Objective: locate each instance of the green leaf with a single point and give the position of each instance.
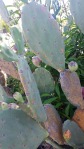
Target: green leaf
(58, 105)
(48, 101)
(57, 90)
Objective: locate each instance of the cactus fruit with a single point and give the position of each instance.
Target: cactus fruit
(53, 124)
(79, 118)
(75, 6)
(19, 42)
(17, 96)
(73, 66)
(3, 105)
(44, 80)
(36, 61)
(18, 131)
(71, 87)
(73, 135)
(4, 12)
(31, 90)
(43, 35)
(9, 68)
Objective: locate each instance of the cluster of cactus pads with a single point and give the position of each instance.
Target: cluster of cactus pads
(25, 125)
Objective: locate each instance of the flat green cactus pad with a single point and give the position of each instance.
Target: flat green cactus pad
(18, 38)
(77, 10)
(3, 12)
(31, 90)
(18, 131)
(73, 134)
(43, 35)
(44, 80)
(7, 54)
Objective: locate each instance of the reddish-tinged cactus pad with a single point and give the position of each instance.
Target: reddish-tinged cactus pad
(53, 124)
(71, 86)
(2, 79)
(9, 68)
(79, 118)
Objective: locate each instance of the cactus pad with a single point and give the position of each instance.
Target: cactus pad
(4, 12)
(53, 124)
(44, 80)
(79, 118)
(9, 68)
(73, 135)
(18, 131)
(7, 54)
(42, 33)
(31, 90)
(71, 86)
(77, 10)
(17, 36)
(4, 97)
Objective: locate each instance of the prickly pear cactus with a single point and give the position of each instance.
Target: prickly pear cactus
(17, 36)
(71, 86)
(18, 97)
(44, 80)
(18, 131)
(4, 97)
(4, 12)
(36, 61)
(79, 118)
(31, 90)
(77, 10)
(73, 135)
(43, 35)
(53, 124)
(9, 68)
(73, 66)
(7, 54)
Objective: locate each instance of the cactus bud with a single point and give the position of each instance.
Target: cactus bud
(36, 61)
(4, 105)
(73, 66)
(17, 96)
